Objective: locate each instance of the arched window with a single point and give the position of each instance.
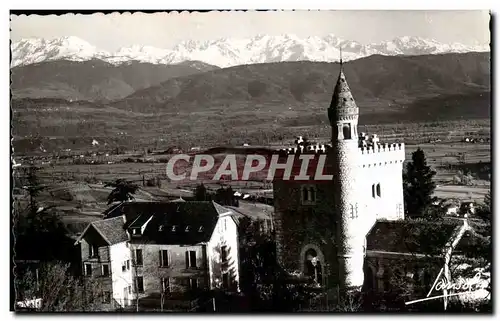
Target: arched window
(378, 189)
(369, 279)
(346, 130)
(312, 266)
(373, 190)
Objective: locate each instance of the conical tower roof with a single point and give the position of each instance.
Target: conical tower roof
(342, 103)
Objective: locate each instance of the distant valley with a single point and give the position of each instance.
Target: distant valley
(67, 103)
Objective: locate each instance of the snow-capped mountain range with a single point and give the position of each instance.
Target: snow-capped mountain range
(226, 52)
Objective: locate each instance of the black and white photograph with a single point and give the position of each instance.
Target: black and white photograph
(333, 161)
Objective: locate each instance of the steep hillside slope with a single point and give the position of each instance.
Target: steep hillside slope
(377, 82)
(94, 80)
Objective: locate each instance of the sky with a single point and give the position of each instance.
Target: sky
(165, 30)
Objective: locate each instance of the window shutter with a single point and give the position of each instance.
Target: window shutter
(187, 259)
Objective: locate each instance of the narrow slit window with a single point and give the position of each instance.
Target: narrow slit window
(313, 194)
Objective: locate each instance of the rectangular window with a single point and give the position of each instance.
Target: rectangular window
(165, 285)
(106, 297)
(128, 264)
(93, 250)
(378, 190)
(139, 281)
(123, 267)
(138, 257)
(373, 190)
(163, 258)
(225, 280)
(305, 194)
(88, 270)
(129, 289)
(190, 259)
(225, 224)
(193, 284)
(223, 253)
(105, 270)
(308, 195)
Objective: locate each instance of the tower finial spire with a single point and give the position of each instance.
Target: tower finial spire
(340, 56)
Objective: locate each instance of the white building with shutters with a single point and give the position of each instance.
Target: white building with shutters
(168, 251)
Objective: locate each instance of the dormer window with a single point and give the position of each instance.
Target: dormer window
(200, 229)
(160, 228)
(174, 228)
(187, 228)
(135, 231)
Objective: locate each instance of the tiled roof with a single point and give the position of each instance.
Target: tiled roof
(111, 230)
(255, 211)
(183, 223)
(109, 211)
(167, 222)
(411, 236)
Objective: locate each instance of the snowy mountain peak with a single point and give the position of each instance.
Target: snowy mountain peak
(225, 52)
(35, 50)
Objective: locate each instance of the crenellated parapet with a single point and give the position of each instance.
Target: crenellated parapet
(382, 148)
(382, 154)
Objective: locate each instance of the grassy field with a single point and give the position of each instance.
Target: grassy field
(78, 193)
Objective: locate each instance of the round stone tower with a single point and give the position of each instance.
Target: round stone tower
(344, 159)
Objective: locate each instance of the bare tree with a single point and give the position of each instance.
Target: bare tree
(51, 288)
(349, 303)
